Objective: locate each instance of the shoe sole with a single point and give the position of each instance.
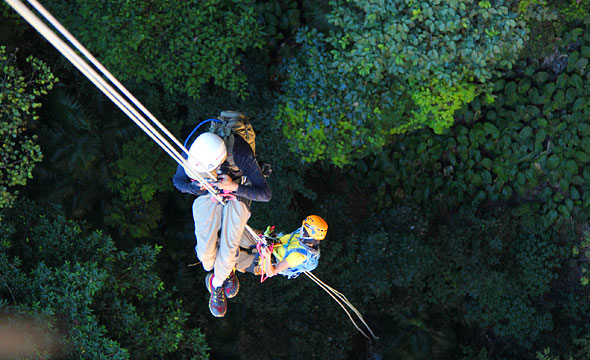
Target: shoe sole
(207, 281)
(217, 316)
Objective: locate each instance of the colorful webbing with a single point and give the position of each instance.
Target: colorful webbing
(226, 195)
(259, 245)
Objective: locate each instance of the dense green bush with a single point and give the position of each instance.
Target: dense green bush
(278, 18)
(500, 274)
(576, 11)
(107, 303)
(531, 142)
(138, 176)
(21, 87)
(327, 114)
(179, 45)
(389, 68)
(81, 134)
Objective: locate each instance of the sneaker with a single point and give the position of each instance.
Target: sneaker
(231, 285)
(217, 301)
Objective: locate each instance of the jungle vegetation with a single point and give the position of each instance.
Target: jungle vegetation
(447, 144)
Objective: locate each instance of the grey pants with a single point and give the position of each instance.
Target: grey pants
(218, 252)
(247, 261)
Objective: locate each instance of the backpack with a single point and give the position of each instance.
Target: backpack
(312, 257)
(233, 122)
(225, 126)
(228, 124)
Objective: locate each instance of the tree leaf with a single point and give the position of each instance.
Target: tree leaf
(541, 77)
(553, 162)
(581, 64)
(491, 129)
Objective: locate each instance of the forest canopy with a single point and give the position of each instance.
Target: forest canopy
(446, 143)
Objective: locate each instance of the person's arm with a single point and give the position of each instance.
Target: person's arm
(245, 160)
(271, 270)
(283, 265)
(293, 260)
(185, 184)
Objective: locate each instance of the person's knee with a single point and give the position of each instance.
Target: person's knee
(207, 259)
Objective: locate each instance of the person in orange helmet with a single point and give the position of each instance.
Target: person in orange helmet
(292, 254)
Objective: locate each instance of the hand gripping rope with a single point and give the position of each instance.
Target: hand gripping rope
(124, 100)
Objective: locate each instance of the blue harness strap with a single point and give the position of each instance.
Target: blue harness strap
(195, 129)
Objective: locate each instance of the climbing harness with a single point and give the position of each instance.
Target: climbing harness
(311, 255)
(259, 246)
(124, 100)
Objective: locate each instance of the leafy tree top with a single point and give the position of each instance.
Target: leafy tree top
(180, 44)
(452, 41)
(107, 303)
(388, 68)
(20, 87)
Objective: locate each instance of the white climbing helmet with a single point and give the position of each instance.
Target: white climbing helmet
(207, 152)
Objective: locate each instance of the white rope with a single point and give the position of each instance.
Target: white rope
(343, 298)
(338, 297)
(47, 15)
(343, 308)
(79, 63)
(108, 90)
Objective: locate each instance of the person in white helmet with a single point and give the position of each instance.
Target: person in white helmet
(219, 228)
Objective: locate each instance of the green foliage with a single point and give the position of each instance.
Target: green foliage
(107, 303)
(437, 102)
(327, 114)
(20, 89)
(417, 41)
(390, 67)
(541, 19)
(80, 135)
(492, 274)
(582, 252)
(531, 142)
(577, 11)
(278, 18)
(546, 355)
(138, 177)
(180, 45)
(536, 10)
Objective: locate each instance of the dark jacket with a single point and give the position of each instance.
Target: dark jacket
(255, 190)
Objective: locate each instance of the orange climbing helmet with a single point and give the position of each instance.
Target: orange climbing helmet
(315, 226)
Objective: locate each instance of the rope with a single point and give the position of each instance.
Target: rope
(107, 89)
(47, 15)
(135, 116)
(342, 300)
